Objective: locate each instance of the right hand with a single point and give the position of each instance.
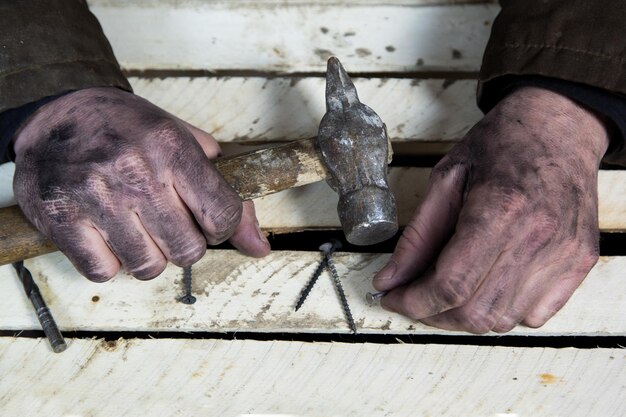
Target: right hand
(115, 181)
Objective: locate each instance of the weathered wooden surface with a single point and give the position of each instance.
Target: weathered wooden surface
(237, 293)
(250, 378)
(281, 37)
(258, 109)
(314, 206)
(19, 239)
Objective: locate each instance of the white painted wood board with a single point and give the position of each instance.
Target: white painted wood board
(258, 109)
(252, 378)
(194, 35)
(314, 206)
(237, 294)
(238, 3)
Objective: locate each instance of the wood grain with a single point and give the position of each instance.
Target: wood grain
(258, 109)
(310, 207)
(191, 35)
(236, 293)
(251, 378)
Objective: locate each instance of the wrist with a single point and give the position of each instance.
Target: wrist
(578, 127)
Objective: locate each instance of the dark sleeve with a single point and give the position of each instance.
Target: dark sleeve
(47, 48)
(574, 47)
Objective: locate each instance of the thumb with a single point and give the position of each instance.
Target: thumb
(248, 237)
(429, 229)
(208, 143)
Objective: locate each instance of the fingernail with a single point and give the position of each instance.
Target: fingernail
(387, 272)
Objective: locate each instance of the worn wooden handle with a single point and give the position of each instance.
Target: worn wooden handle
(253, 174)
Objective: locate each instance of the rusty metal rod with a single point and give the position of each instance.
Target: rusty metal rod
(48, 324)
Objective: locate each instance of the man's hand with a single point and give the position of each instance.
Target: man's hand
(115, 181)
(508, 227)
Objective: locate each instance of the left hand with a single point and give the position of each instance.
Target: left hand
(508, 227)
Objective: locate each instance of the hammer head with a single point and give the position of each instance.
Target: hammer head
(353, 142)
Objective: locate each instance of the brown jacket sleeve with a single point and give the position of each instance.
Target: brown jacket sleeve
(581, 41)
(48, 47)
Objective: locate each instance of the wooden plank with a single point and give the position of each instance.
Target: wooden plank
(314, 206)
(6, 184)
(195, 35)
(236, 293)
(258, 109)
(239, 3)
(251, 378)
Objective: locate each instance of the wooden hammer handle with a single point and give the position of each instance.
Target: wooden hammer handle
(253, 174)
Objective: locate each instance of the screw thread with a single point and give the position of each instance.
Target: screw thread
(342, 294)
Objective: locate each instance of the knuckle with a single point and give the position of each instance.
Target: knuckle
(511, 200)
(536, 320)
(539, 316)
(410, 308)
(190, 253)
(134, 170)
(478, 320)
(587, 260)
(505, 325)
(225, 219)
(453, 291)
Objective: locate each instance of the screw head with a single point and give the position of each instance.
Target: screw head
(330, 247)
(187, 299)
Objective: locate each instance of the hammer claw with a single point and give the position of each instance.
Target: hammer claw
(340, 90)
(353, 142)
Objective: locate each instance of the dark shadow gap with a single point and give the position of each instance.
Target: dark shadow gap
(578, 342)
(611, 244)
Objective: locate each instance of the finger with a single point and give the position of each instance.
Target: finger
(490, 301)
(462, 265)
(431, 225)
(208, 143)
(248, 237)
(171, 226)
(85, 247)
(215, 204)
(132, 245)
(560, 291)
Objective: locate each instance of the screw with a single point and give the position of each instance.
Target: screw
(328, 249)
(372, 297)
(44, 316)
(309, 286)
(187, 298)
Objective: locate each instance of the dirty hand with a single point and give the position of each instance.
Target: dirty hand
(115, 181)
(508, 227)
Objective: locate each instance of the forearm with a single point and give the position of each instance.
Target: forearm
(49, 47)
(573, 47)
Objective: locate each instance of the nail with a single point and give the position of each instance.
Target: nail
(372, 297)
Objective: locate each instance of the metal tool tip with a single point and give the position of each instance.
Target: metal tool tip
(60, 347)
(339, 86)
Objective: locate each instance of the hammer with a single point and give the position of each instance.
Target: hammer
(351, 153)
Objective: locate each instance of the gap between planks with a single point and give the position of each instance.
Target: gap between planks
(250, 378)
(237, 293)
